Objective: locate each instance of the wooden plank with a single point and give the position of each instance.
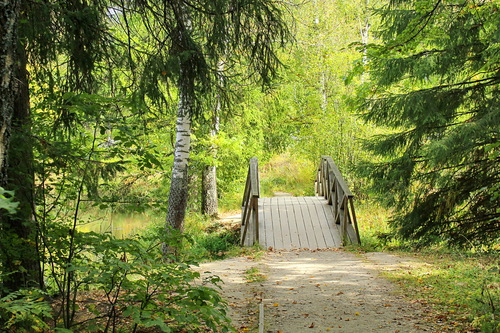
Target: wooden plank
(292, 223)
(297, 222)
(301, 228)
(276, 222)
(262, 226)
(308, 224)
(284, 203)
(268, 238)
(294, 229)
(322, 223)
(334, 228)
(330, 232)
(316, 222)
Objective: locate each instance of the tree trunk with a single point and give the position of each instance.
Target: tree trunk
(19, 254)
(9, 14)
(177, 200)
(209, 199)
(209, 191)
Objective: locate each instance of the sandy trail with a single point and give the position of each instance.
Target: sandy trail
(318, 291)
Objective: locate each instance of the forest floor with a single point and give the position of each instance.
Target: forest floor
(319, 291)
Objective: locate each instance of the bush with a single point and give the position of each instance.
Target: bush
(129, 284)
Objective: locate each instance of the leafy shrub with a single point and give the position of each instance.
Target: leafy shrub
(24, 311)
(130, 284)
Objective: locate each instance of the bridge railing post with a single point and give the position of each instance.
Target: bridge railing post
(250, 205)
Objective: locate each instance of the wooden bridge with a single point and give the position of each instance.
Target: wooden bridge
(327, 220)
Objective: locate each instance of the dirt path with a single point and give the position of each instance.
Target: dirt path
(317, 291)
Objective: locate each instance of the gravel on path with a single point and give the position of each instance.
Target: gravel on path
(318, 291)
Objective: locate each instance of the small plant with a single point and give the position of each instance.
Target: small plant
(130, 285)
(254, 274)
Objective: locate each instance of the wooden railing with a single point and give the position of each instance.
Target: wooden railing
(250, 205)
(330, 184)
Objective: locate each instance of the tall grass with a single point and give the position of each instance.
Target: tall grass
(374, 229)
(289, 174)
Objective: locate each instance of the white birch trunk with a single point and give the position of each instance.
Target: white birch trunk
(178, 196)
(177, 201)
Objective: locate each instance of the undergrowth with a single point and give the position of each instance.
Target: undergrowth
(211, 239)
(461, 289)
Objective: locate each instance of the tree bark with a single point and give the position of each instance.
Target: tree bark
(177, 200)
(209, 199)
(21, 180)
(179, 184)
(9, 15)
(19, 254)
(209, 191)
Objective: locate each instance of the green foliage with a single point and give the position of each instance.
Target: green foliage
(434, 82)
(7, 201)
(308, 113)
(374, 229)
(25, 310)
(131, 280)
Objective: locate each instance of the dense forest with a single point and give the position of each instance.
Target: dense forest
(152, 109)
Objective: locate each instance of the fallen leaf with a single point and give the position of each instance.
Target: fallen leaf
(276, 304)
(312, 325)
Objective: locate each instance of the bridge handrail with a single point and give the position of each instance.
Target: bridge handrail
(331, 185)
(250, 203)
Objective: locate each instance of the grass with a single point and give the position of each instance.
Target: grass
(374, 230)
(254, 274)
(213, 239)
(461, 289)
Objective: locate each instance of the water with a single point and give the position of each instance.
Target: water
(120, 225)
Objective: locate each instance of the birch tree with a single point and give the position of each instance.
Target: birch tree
(190, 38)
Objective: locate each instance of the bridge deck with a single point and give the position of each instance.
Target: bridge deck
(297, 223)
